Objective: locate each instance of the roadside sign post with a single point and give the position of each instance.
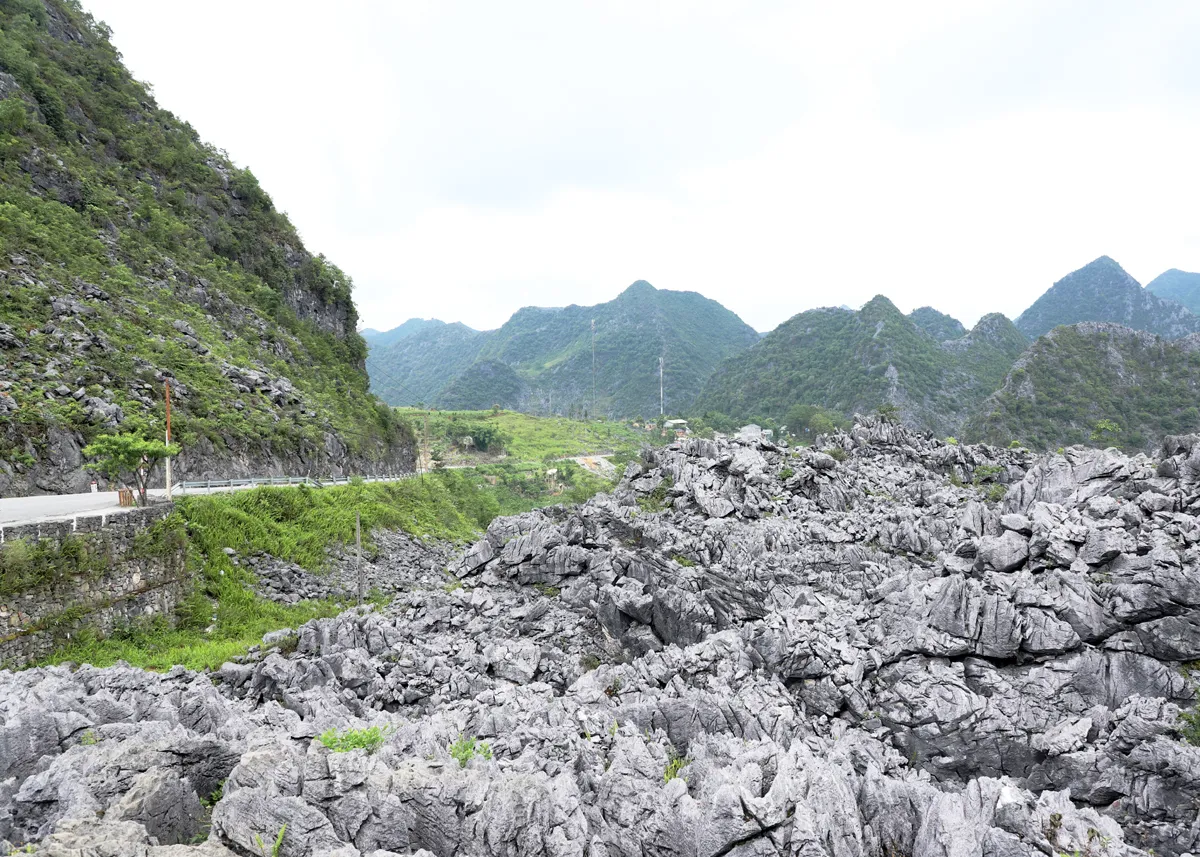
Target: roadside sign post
(167, 391)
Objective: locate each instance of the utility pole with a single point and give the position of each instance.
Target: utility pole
(660, 386)
(358, 547)
(167, 392)
(593, 368)
(425, 455)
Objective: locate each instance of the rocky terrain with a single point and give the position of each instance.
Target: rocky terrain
(882, 645)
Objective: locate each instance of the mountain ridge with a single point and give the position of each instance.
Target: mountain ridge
(1183, 287)
(1103, 291)
(548, 355)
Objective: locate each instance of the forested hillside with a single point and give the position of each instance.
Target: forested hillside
(849, 362)
(1074, 377)
(132, 251)
(542, 358)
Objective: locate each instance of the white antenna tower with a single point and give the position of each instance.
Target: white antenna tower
(660, 387)
(593, 368)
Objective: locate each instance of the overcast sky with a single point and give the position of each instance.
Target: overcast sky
(461, 160)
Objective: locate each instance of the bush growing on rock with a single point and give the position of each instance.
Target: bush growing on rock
(465, 749)
(369, 739)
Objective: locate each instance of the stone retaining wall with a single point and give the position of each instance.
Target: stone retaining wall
(98, 572)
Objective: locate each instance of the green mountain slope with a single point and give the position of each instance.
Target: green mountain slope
(1183, 287)
(1075, 376)
(937, 324)
(850, 361)
(382, 338)
(132, 251)
(484, 384)
(549, 355)
(1102, 291)
(417, 368)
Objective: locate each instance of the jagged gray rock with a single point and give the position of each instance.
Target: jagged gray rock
(871, 657)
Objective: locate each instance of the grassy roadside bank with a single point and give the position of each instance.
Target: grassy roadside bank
(223, 617)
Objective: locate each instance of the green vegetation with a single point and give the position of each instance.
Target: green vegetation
(223, 617)
(1106, 386)
(275, 847)
(136, 252)
(1105, 432)
(369, 739)
(936, 324)
(675, 764)
(656, 500)
(465, 749)
(845, 362)
(128, 458)
(541, 357)
(525, 438)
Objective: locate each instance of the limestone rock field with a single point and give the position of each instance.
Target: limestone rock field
(881, 645)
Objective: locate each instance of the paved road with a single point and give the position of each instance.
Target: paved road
(29, 510)
(58, 507)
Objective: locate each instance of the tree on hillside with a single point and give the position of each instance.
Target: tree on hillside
(1106, 432)
(128, 458)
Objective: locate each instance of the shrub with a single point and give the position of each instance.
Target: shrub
(655, 501)
(952, 441)
(836, 453)
(465, 749)
(12, 115)
(786, 474)
(369, 739)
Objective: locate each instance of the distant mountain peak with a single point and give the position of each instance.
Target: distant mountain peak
(880, 303)
(546, 352)
(638, 287)
(940, 326)
(1103, 291)
(1177, 285)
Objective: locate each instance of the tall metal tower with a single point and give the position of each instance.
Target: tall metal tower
(660, 386)
(593, 368)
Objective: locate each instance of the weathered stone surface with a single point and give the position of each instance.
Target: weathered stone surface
(863, 659)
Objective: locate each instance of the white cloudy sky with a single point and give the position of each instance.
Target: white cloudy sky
(461, 160)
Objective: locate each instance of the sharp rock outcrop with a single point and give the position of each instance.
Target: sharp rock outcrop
(881, 645)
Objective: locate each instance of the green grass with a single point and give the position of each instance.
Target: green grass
(299, 525)
(530, 438)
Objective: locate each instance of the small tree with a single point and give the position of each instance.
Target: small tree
(1106, 432)
(128, 457)
(888, 412)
